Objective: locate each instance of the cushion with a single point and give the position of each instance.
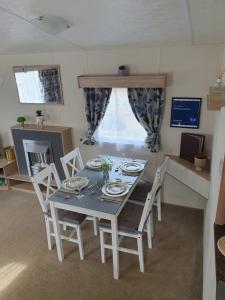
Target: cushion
(141, 190)
(128, 219)
(69, 216)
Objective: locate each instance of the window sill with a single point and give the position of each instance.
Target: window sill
(120, 145)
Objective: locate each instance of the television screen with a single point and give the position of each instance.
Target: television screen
(185, 112)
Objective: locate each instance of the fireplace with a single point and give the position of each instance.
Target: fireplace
(37, 147)
(38, 155)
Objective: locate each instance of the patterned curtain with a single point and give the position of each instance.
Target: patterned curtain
(148, 105)
(97, 100)
(50, 85)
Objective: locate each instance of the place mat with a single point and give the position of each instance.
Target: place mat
(110, 199)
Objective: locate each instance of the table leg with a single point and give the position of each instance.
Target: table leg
(56, 228)
(115, 251)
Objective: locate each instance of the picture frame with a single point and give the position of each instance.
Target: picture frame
(185, 112)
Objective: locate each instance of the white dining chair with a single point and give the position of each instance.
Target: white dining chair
(141, 190)
(46, 183)
(72, 163)
(131, 223)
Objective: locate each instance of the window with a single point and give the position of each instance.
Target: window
(119, 124)
(29, 87)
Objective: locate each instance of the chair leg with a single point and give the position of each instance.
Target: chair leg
(152, 223)
(159, 206)
(80, 243)
(48, 231)
(95, 226)
(149, 232)
(102, 241)
(140, 253)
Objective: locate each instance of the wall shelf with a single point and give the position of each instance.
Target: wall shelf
(185, 172)
(5, 170)
(16, 176)
(216, 98)
(116, 81)
(22, 186)
(15, 181)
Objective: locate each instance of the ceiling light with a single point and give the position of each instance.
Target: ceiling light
(51, 24)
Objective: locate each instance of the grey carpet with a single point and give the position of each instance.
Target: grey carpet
(28, 271)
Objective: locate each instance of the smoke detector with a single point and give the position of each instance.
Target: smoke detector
(51, 24)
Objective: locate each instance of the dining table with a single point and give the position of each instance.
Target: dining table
(90, 201)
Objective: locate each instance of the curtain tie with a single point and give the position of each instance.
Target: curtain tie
(152, 141)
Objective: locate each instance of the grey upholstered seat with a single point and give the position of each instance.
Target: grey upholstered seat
(128, 220)
(69, 216)
(132, 222)
(141, 190)
(66, 218)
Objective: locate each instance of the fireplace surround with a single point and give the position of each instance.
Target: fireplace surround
(35, 147)
(38, 155)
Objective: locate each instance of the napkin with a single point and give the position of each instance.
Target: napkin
(76, 191)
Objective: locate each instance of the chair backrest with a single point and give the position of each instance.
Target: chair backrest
(150, 200)
(46, 183)
(72, 163)
(162, 169)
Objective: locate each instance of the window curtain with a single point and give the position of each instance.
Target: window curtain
(148, 106)
(50, 85)
(97, 100)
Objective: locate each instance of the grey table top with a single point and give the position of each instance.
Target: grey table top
(90, 200)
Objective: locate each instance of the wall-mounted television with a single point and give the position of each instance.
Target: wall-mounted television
(185, 112)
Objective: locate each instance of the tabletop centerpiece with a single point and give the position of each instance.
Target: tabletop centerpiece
(105, 169)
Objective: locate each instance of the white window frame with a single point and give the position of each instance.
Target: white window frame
(121, 140)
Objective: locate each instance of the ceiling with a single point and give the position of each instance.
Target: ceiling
(100, 24)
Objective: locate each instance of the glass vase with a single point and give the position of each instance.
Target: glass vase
(105, 177)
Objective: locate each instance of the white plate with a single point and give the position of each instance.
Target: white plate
(132, 167)
(95, 163)
(115, 188)
(104, 191)
(74, 183)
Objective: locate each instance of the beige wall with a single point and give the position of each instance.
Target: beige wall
(209, 276)
(209, 271)
(191, 71)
